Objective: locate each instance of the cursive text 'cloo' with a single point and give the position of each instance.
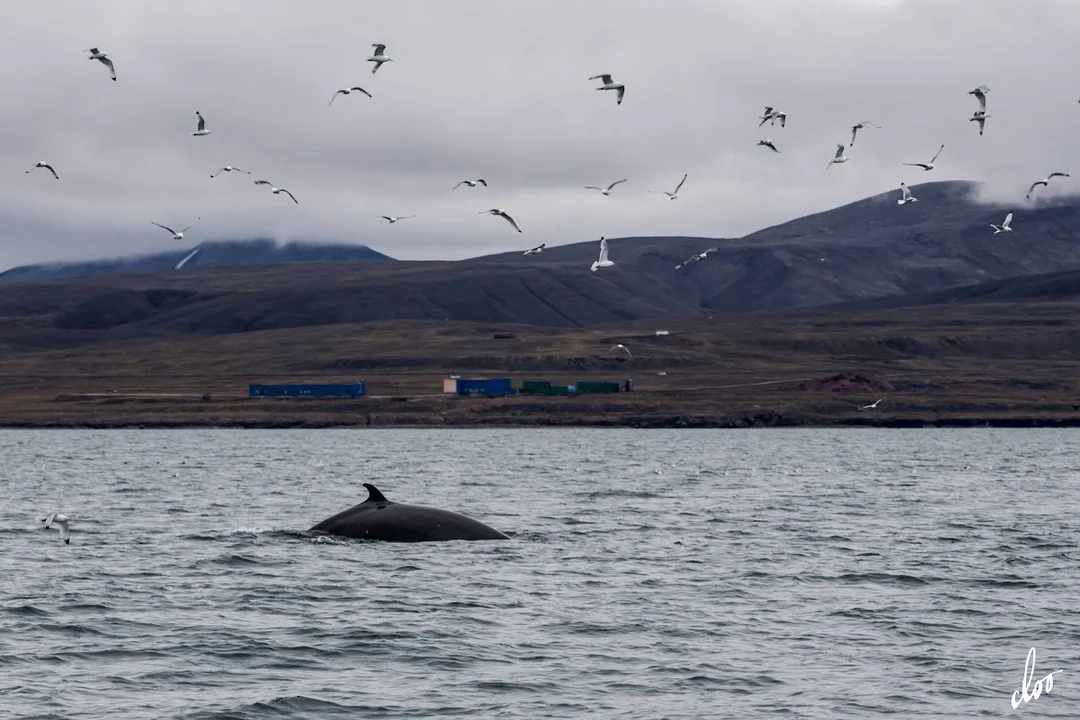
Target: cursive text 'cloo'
(1043, 684)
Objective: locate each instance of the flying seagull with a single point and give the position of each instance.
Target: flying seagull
(229, 168)
(607, 190)
(536, 250)
(202, 125)
(103, 59)
(346, 92)
(772, 116)
(929, 165)
(45, 165)
(188, 257)
(906, 196)
(1003, 227)
(980, 95)
(859, 126)
(502, 214)
(277, 190)
(609, 85)
(839, 157)
(393, 220)
(378, 57)
(696, 258)
(1045, 181)
(471, 183)
(769, 144)
(980, 117)
(872, 405)
(176, 235)
(61, 521)
(671, 195)
(603, 261)
(622, 347)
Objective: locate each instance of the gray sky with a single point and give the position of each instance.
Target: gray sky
(498, 89)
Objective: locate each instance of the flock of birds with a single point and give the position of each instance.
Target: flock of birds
(771, 115)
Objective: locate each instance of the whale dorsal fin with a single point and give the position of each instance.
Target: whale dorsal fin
(373, 494)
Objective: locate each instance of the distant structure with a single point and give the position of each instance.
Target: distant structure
(350, 390)
(479, 386)
(662, 333)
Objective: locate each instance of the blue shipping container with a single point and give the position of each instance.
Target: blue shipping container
(326, 390)
(488, 388)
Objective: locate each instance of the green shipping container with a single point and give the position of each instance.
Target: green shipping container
(587, 386)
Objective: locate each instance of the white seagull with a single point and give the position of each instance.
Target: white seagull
(378, 57)
(872, 405)
(177, 235)
(772, 116)
(61, 521)
(607, 190)
(502, 214)
(1045, 181)
(346, 92)
(229, 168)
(769, 144)
(603, 261)
(980, 117)
(188, 257)
(929, 165)
(980, 95)
(609, 85)
(859, 126)
(103, 59)
(622, 347)
(696, 258)
(45, 165)
(201, 130)
(1003, 227)
(906, 196)
(393, 220)
(470, 183)
(671, 195)
(536, 250)
(839, 157)
(277, 190)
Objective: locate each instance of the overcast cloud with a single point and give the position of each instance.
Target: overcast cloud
(498, 89)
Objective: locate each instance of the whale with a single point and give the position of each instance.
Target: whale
(380, 519)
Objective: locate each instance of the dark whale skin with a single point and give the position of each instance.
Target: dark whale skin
(380, 519)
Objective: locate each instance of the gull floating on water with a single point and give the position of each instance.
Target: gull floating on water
(470, 183)
(1003, 227)
(229, 168)
(393, 220)
(607, 190)
(603, 262)
(929, 165)
(839, 157)
(609, 85)
(980, 117)
(378, 57)
(188, 257)
(103, 59)
(177, 235)
(872, 405)
(769, 144)
(346, 92)
(45, 165)
(61, 521)
(502, 214)
(906, 196)
(277, 190)
(201, 130)
(536, 250)
(672, 195)
(859, 126)
(980, 95)
(1045, 181)
(622, 347)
